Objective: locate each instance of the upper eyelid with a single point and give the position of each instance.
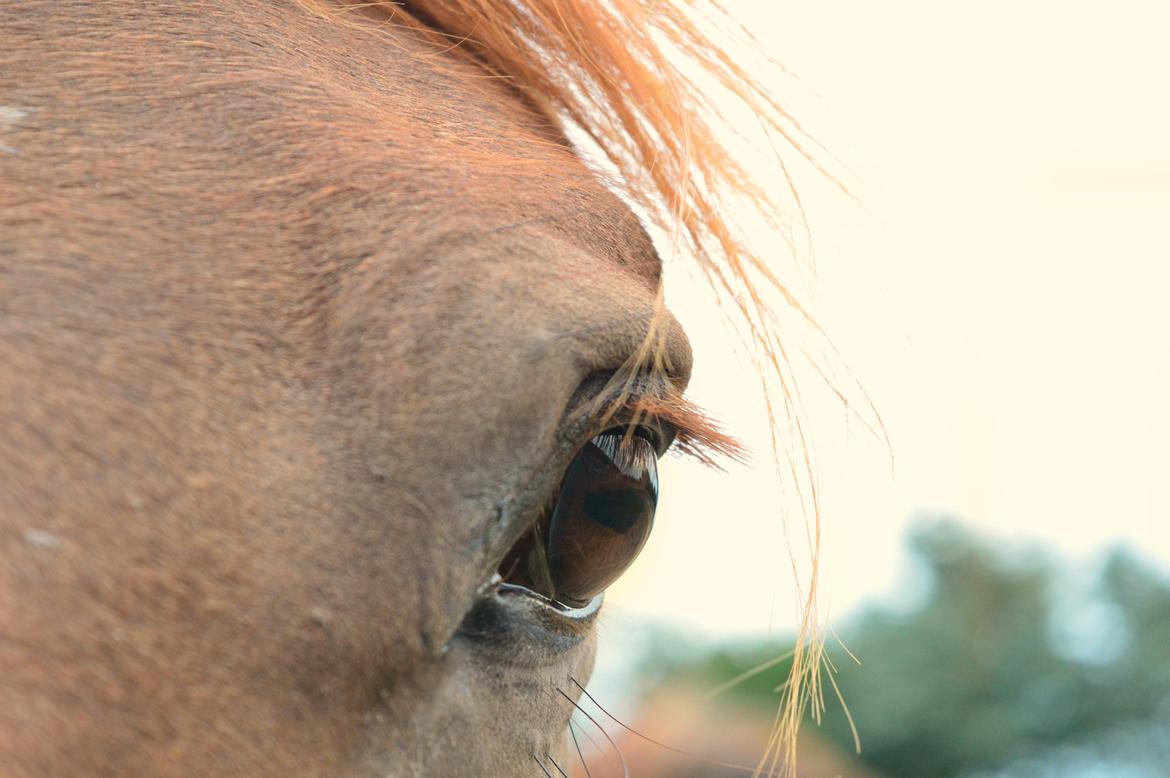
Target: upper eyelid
(606, 402)
(621, 402)
(663, 433)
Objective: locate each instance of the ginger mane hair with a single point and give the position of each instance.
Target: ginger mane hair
(616, 72)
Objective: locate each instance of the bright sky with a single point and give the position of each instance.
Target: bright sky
(1001, 295)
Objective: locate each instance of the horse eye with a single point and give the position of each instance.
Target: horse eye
(603, 514)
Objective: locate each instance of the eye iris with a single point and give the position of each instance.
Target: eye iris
(603, 515)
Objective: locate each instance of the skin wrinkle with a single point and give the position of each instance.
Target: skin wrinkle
(268, 374)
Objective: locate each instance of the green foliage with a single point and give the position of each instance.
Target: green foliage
(1010, 666)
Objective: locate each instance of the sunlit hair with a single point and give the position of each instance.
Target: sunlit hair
(618, 72)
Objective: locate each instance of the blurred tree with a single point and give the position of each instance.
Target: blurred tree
(1010, 667)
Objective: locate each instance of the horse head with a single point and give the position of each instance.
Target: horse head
(333, 384)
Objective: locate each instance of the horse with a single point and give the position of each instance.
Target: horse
(335, 371)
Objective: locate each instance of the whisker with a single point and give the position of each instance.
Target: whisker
(576, 745)
(592, 740)
(543, 769)
(596, 723)
(554, 764)
(679, 751)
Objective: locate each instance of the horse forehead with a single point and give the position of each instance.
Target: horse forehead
(445, 152)
(274, 168)
(457, 150)
(329, 132)
(486, 163)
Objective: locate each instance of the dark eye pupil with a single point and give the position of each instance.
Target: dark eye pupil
(619, 509)
(603, 515)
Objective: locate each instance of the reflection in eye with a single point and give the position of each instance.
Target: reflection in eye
(603, 515)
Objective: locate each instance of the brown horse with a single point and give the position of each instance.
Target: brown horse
(332, 377)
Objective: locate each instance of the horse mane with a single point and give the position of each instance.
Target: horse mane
(619, 73)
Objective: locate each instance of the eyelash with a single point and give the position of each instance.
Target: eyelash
(691, 431)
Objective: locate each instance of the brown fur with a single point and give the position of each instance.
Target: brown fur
(291, 315)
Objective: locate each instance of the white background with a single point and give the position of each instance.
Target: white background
(1000, 292)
